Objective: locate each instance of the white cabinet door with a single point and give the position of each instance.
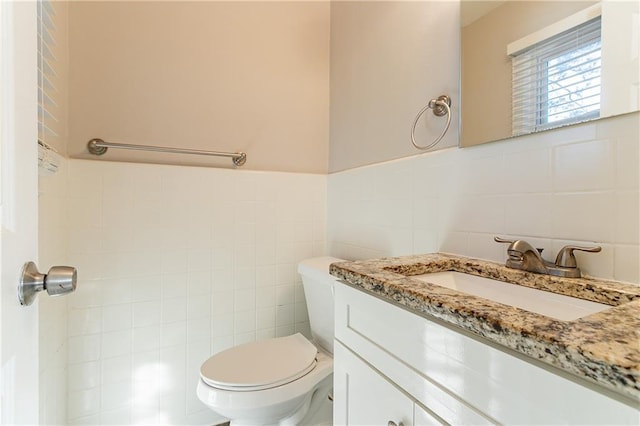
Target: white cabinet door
(423, 418)
(364, 397)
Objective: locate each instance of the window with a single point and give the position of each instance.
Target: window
(557, 81)
(47, 92)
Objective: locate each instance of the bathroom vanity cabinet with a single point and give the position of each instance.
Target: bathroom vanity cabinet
(372, 397)
(392, 365)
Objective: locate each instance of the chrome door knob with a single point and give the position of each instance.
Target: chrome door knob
(58, 281)
(61, 280)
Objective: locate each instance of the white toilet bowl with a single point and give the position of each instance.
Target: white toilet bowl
(282, 381)
(292, 391)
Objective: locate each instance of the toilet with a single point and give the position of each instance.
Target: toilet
(280, 381)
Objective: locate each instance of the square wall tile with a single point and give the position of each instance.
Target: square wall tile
(266, 318)
(84, 321)
(173, 334)
(528, 171)
(198, 307)
(84, 348)
(146, 313)
(198, 282)
(584, 166)
(145, 288)
(118, 369)
(174, 285)
(116, 395)
(116, 343)
(120, 416)
(627, 217)
(628, 162)
(85, 375)
(528, 215)
(222, 326)
(83, 403)
(583, 216)
(116, 291)
(117, 317)
(245, 321)
(626, 263)
(173, 310)
(199, 331)
(285, 315)
(146, 338)
(85, 212)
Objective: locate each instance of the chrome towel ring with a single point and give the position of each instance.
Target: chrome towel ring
(440, 107)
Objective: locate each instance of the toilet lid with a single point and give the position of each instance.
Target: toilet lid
(260, 365)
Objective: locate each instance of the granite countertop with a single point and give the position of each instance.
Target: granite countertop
(603, 347)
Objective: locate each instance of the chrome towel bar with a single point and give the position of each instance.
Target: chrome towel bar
(99, 147)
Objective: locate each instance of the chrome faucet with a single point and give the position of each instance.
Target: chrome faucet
(525, 257)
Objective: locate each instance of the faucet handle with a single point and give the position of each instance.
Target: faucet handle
(566, 258)
(502, 240)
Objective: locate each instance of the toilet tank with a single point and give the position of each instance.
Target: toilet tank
(318, 293)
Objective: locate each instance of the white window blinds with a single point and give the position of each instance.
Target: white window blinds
(47, 92)
(557, 81)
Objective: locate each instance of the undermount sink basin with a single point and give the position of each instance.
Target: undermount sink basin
(553, 305)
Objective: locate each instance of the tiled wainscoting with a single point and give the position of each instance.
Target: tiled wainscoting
(174, 264)
(53, 229)
(576, 185)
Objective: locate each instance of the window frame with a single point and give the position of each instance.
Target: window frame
(530, 59)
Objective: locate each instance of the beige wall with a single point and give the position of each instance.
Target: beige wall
(224, 76)
(387, 60)
(486, 68)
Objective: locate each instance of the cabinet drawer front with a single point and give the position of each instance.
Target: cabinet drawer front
(388, 337)
(462, 379)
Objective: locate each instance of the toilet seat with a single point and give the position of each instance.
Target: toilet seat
(267, 406)
(260, 365)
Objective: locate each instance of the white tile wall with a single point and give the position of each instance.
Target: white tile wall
(574, 185)
(177, 263)
(52, 314)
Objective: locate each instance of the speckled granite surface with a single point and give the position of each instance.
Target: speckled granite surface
(603, 347)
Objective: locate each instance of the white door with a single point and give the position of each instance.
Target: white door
(18, 210)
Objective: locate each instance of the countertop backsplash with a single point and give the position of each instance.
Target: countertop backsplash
(577, 185)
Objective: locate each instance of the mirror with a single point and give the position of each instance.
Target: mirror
(490, 28)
